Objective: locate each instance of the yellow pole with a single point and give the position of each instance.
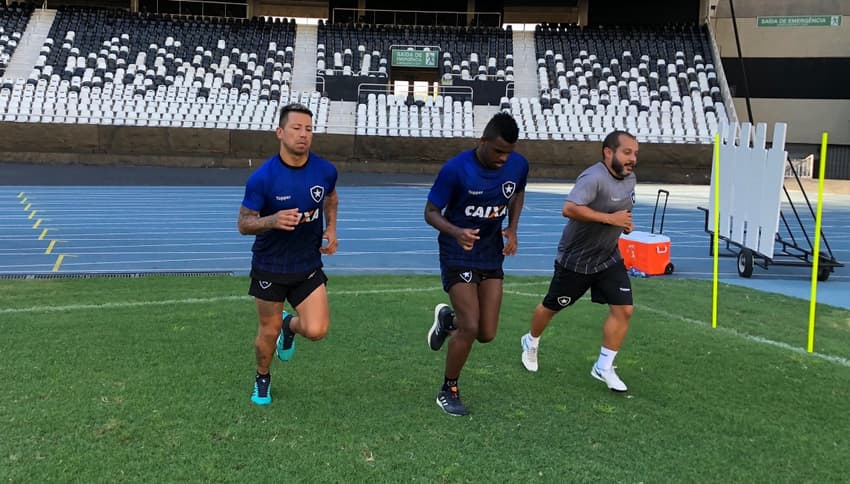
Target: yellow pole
(813, 298)
(715, 242)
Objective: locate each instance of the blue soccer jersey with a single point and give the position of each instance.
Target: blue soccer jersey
(277, 186)
(472, 196)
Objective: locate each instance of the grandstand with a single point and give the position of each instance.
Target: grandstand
(565, 81)
(659, 83)
(465, 52)
(13, 23)
(114, 67)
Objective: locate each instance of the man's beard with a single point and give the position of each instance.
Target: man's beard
(617, 166)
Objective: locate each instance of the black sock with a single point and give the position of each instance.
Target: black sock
(267, 376)
(448, 383)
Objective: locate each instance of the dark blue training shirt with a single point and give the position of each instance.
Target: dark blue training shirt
(476, 197)
(277, 186)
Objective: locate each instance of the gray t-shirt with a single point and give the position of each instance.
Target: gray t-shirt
(590, 247)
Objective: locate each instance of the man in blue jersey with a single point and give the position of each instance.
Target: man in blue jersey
(473, 194)
(286, 201)
(600, 209)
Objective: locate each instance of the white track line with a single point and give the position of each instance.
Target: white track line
(756, 339)
(166, 302)
(128, 304)
(119, 305)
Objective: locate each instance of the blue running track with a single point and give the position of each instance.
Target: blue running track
(72, 230)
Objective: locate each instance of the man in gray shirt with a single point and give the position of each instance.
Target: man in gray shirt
(600, 209)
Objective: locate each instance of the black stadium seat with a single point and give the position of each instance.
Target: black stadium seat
(13, 22)
(658, 82)
(115, 67)
(364, 49)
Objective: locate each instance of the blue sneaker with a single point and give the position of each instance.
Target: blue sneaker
(262, 394)
(285, 341)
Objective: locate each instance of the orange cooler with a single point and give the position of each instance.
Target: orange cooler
(646, 252)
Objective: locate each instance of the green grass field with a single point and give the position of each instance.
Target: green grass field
(147, 380)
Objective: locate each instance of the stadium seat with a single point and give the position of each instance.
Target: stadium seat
(363, 50)
(594, 70)
(136, 59)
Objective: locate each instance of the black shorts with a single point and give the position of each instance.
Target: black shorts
(467, 275)
(294, 288)
(610, 286)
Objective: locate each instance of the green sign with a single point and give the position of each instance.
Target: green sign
(801, 21)
(415, 58)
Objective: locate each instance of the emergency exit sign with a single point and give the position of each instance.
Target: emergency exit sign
(414, 58)
(801, 21)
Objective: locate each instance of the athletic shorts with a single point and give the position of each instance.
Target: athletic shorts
(610, 286)
(294, 288)
(454, 275)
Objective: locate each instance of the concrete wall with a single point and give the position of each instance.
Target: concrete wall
(781, 41)
(754, 8)
(189, 147)
(288, 8)
(806, 118)
(534, 15)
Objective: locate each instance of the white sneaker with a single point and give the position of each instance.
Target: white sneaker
(609, 377)
(529, 353)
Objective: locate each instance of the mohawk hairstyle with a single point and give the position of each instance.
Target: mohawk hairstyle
(502, 125)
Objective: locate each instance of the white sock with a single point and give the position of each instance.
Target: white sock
(533, 341)
(606, 359)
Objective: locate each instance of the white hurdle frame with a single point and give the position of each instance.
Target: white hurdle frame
(751, 179)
